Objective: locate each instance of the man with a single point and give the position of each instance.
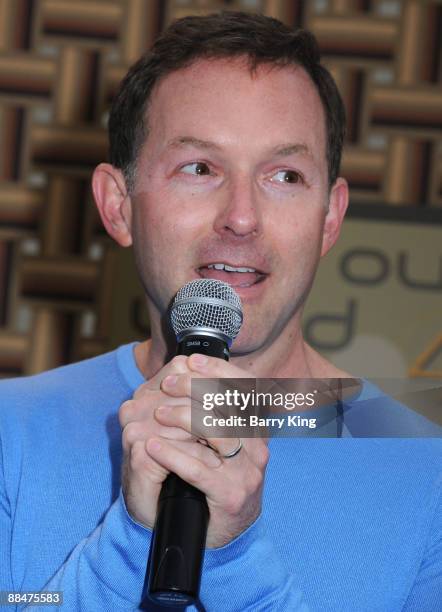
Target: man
(225, 149)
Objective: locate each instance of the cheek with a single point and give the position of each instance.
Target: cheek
(165, 223)
(299, 239)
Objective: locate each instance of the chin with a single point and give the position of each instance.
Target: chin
(244, 345)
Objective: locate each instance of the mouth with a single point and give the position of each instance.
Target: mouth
(238, 277)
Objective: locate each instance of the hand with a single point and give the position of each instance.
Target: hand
(142, 476)
(233, 486)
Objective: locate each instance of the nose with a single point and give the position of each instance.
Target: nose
(239, 214)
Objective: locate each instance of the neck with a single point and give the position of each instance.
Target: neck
(288, 356)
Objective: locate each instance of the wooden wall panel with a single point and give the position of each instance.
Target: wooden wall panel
(60, 64)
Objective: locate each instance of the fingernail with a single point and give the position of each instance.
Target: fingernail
(153, 445)
(199, 360)
(164, 409)
(170, 381)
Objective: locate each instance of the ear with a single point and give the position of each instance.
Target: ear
(338, 203)
(113, 203)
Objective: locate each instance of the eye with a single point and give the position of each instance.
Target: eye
(287, 176)
(197, 168)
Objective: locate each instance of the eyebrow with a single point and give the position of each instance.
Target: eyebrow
(290, 149)
(283, 150)
(183, 141)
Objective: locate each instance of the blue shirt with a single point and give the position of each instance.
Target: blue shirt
(347, 524)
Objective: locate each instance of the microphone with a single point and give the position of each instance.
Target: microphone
(206, 317)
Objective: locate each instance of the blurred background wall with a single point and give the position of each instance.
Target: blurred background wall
(66, 293)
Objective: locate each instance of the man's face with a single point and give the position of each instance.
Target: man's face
(233, 172)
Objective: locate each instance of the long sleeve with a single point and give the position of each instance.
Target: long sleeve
(247, 574)
(63, 522)
(6, 583)
(426, 594)
(106, 570)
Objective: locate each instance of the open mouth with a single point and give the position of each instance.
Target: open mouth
(235, 276)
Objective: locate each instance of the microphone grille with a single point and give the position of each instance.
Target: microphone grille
(207, 303)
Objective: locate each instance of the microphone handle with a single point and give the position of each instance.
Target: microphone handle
(179, 537)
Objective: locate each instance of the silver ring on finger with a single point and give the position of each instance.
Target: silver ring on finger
(234, 452)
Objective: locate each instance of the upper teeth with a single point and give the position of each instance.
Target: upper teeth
(222, 266)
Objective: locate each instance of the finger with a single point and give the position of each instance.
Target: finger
(175, 416)
(198, 451)
(185, 418)
(251, 450)
(177, 385)
(226, 446)
(182, 417)
(142, 407)
(141, 464)
(181, 385)
(213, 367)
(178, 365)
(136, 431)
(191, 469)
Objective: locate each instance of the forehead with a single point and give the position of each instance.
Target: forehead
(224, 101)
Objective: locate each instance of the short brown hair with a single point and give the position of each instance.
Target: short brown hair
(263, 40)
